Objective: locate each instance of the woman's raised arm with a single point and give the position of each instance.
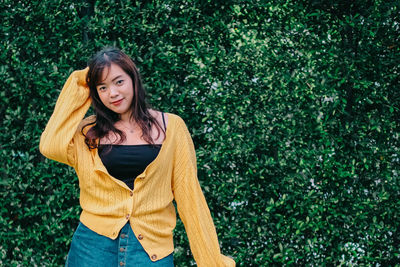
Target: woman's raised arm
(56, 141)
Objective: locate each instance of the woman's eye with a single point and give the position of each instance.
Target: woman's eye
(120, 82)
(102, 88)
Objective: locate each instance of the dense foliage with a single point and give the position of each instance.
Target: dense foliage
(293, 106)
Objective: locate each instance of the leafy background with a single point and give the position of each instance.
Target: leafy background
(293, 107)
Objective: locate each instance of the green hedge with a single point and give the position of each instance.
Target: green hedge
(293, 107)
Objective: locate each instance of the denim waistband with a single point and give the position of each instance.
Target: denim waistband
(93, 250)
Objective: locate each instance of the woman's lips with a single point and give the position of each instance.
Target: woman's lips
(116, 103)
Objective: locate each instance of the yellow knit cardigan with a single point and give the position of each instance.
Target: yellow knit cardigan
(108, 203)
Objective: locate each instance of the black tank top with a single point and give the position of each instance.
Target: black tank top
(126, 162)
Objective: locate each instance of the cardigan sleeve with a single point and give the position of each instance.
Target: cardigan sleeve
(56, 141)
(192, 206)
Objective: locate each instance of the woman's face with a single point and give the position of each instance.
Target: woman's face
(116, 90)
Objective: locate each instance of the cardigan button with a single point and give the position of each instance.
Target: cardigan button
(127, 216)
(131, 193)
(154, 257)
(140, 237)
(121, 263)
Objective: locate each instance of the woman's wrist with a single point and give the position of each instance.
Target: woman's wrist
(81, 76)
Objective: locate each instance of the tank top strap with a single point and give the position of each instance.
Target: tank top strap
(165, 127)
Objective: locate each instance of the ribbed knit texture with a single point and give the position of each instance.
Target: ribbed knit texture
(107, 203)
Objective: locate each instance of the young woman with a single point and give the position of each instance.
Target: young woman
(132, 162)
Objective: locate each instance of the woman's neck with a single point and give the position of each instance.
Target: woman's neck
(126, 118)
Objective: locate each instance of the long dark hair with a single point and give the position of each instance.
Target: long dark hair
(105, 118)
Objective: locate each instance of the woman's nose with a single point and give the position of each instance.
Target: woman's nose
(113, 91)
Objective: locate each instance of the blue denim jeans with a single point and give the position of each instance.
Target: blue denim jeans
(89, 249)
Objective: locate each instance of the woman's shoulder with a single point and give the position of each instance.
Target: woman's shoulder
(174, 118)
(176, 126)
